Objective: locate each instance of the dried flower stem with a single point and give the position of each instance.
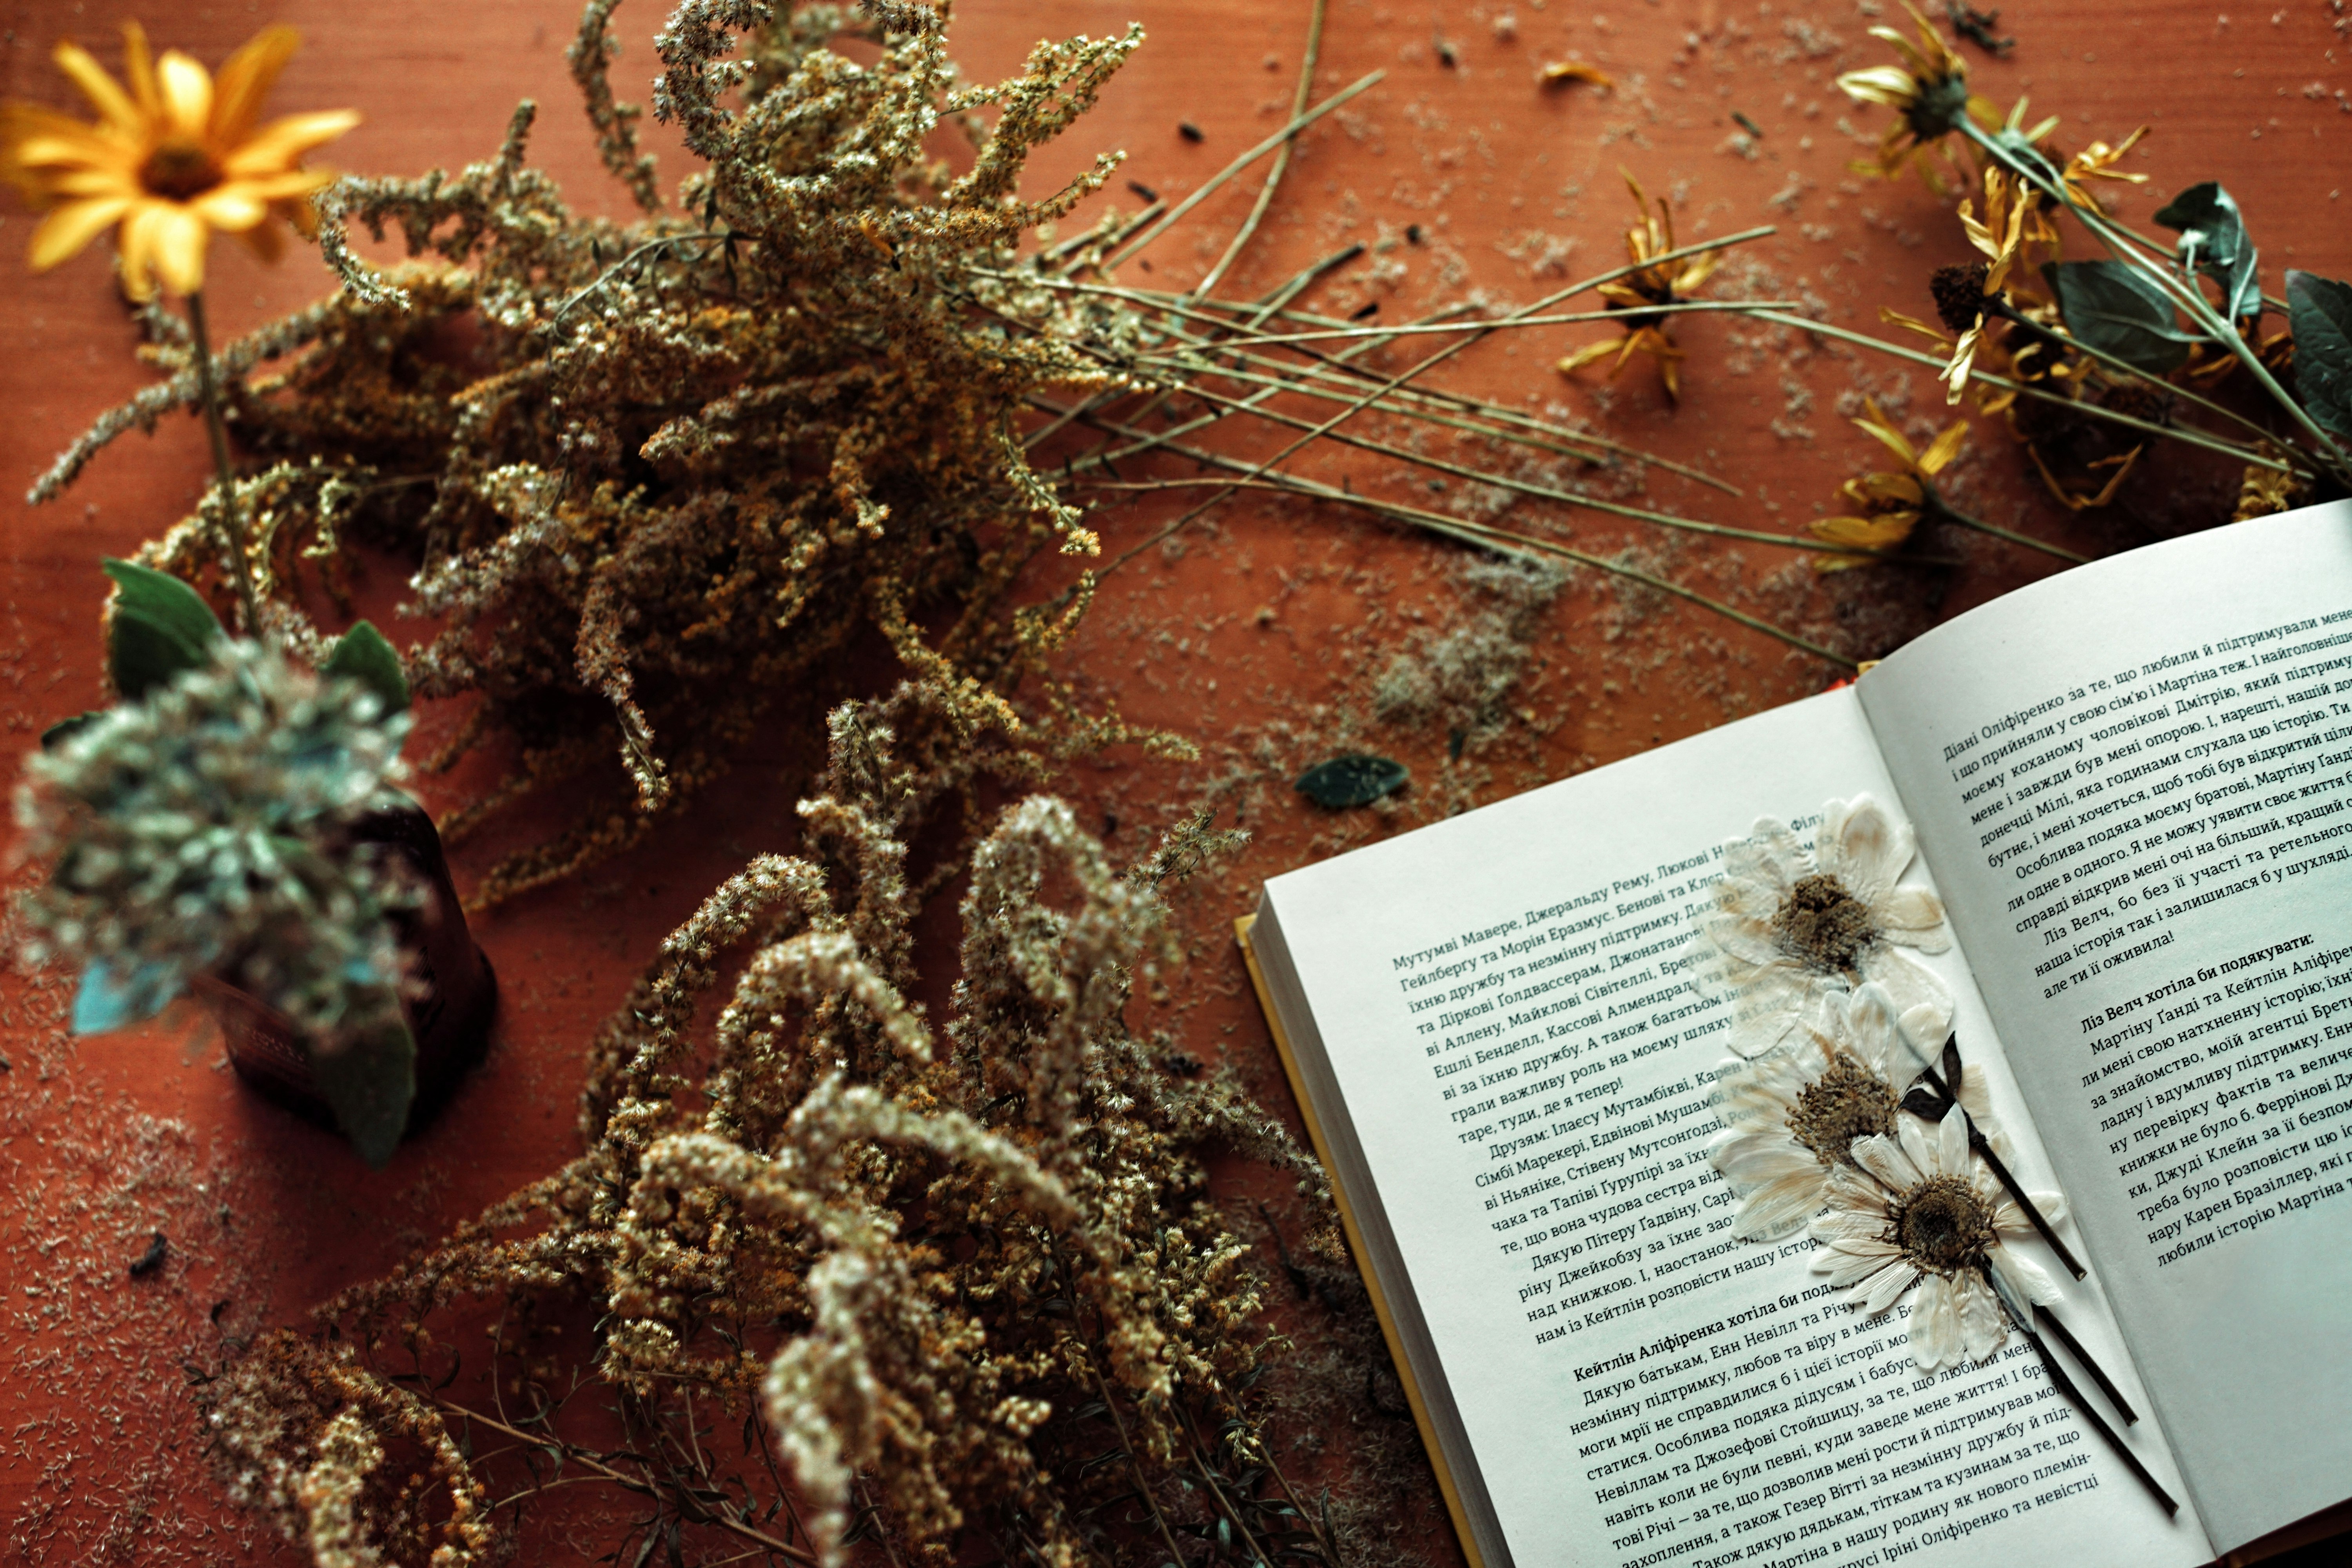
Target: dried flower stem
(1940, 507)
(602, 1471)
(1475, 334)
(1281, 158)
(1486, 537)
(2073, 1395)
(1216, 182)
(2247, 455)
(1134, 1466)
(2074, 1348)
(231, 516)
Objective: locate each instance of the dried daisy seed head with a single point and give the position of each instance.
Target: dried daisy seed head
(1823, 925)
(1847, 1103)
(1943, 1225)
(1959, 293)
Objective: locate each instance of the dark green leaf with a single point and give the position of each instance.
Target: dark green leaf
(370, 1081)
(2319, 309)
(161, 628)
(2213, 240)
(64, 730)
(365, 656)
(2113, 309)
(1356, 779)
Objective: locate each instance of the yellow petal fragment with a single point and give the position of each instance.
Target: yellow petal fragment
(1577, 70)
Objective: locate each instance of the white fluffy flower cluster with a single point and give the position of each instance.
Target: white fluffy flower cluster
(1833, 1027)
(208, 827)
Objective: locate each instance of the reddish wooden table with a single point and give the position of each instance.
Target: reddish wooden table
(1265, 636)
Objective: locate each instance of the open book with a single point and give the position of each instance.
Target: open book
(2131, 785)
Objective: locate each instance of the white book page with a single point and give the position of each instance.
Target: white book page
(1526, 1070)
(2135, 783)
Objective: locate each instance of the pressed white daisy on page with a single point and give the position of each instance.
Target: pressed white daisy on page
(1917, 1210)
(1793, 925)
(1791, 1117)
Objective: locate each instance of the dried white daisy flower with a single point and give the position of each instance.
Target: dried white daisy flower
(1791, 1117)
(1794, 926)
(1919, 1211)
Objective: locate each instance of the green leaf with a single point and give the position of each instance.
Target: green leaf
(1356, 779)
(2319, 311)
(365, 656)
(161, 628)
(65, 729)
(2213, 240)
(370, 1082)
(2113, 309)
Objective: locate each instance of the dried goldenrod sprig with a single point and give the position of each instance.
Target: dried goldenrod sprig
(685, 457)
(916, 1259)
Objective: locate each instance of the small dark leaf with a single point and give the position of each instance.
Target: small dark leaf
(2113, 309)
(161, 628)
(152, 1260)
(1356, 779)
(365, 656)
(370, 1082)
(1926, 1104)
(65, 729)
(2319, 309)
(2213, 240)
(1952, 1063)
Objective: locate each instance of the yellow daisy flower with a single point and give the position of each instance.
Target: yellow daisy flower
(1662, 283)
(1929, 91)
(176, 157)
(1888, 506)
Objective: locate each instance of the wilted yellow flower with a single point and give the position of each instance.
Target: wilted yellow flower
(1888, 506)
(175, 158)
(2097, 161)
(2262, 491)
(1662, 283)
(1929, 91)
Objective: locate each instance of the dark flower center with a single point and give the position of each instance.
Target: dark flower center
(180, 171)
(1936, 112)
(1959, 294)
(1942, 1225)
(1847, 1103)
(1823, 925)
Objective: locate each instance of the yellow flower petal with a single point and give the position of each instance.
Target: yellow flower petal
(179, 239)
(1946, 447)
(281, 143)
(138, 244)
(245, 78)
(187, 94)
(140, 67)
(229, 208)
(68, 228)
(1584, 356)
(108, 98)
(1888, 436)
